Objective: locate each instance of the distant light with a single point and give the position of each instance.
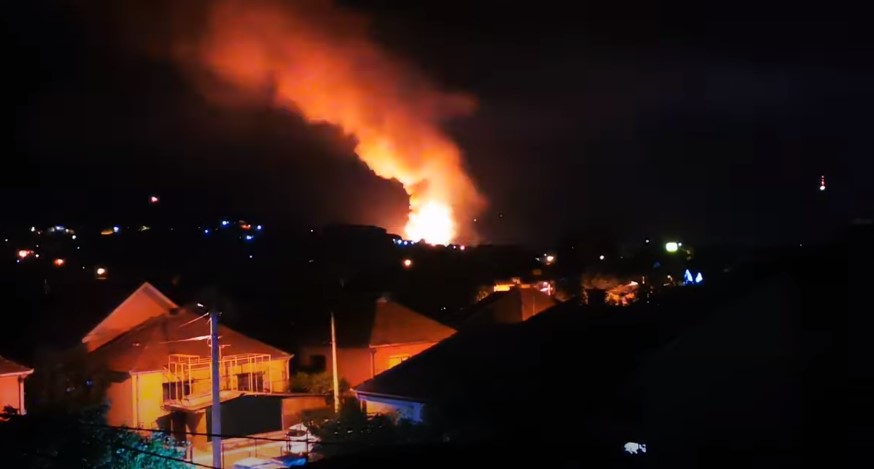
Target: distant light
(258, 227)
(249, 237)
(24, 253)
(145, 228)
(36, 255)
(312, 230)
(32, 229)
(59, 228)
(647, 241)
(116, 229)
(672, 246)
(58, 262)
(101, 271)
(461, 247)
(206, 231)
(153, 199)
(250, 256)
(408, 263)
(550, 259)
(200, 305)
(601, 257)
(699, 278)
(246, 226)
(107, 232)
(225, 223)
(687, 276)
(822, 183)
(73, 237)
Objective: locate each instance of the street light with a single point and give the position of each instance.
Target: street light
(672, 246)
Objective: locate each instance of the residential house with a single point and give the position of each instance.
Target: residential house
(158, 357)
(513, 305)
(12, 376)
(373, 339)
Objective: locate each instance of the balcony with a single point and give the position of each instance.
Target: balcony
(187, 383)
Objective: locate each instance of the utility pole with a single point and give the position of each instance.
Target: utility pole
(334, 365)
(215, 350)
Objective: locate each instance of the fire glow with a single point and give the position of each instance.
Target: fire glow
(315, 58)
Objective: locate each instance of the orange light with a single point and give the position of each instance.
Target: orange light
(24, 253)
(58, 262)
(246, 226)
(108, 232)
(101, 271)
(408, 263)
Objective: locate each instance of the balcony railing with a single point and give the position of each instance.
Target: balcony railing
(188, 378)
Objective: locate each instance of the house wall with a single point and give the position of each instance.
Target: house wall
(407, 410)
(278, 375)
(353, 364)
(148, 398)
(293, 406)
(382, 357)
(10, 393)
(121, 404)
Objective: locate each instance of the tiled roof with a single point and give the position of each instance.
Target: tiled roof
(9, 367)
(147, 346)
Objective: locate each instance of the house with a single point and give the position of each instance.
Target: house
(373, 339)
(725, 370)
(12, 376)
(158, 359)
(513, 305)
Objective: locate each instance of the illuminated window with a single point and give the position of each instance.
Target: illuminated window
(396, 360)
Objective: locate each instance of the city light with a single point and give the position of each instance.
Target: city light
(259, 227)
(408, 263)
(699, 278)
(58, 262)
(249, 237)
(24, 253)
(225, 223)
(101, 272)
(153, 199)
(116, 229)
(672, 246)
(601, 257)
(550, 259)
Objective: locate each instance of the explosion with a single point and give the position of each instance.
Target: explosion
(316, 59)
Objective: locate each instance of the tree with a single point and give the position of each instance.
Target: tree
(352, 430)
(60, 438)
(316, 383)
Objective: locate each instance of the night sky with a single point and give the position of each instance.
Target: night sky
(630, 122)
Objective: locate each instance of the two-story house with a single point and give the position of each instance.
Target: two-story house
(158, 358)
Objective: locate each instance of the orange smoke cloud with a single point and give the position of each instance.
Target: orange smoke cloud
(316, 59)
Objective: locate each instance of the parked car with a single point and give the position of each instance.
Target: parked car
(300, 439)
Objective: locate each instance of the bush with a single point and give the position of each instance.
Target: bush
(352, 430)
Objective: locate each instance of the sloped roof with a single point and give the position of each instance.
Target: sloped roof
(147, 346)
(143, 304)
(9, 367)
(362, 324)
(508, 307)
(397, 324)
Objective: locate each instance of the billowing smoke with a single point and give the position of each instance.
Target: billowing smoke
(316, 59)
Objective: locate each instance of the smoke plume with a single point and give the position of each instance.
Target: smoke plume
(316, 59)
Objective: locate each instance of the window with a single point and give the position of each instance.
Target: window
(318, 363)
(175, 390)
(396, 360)
(253, 382)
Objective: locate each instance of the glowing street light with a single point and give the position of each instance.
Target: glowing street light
(59, 262)
(154, 199)
(408, 263)
(101, 273)
(672, 246)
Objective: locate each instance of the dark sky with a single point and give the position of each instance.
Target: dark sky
(619, 120)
